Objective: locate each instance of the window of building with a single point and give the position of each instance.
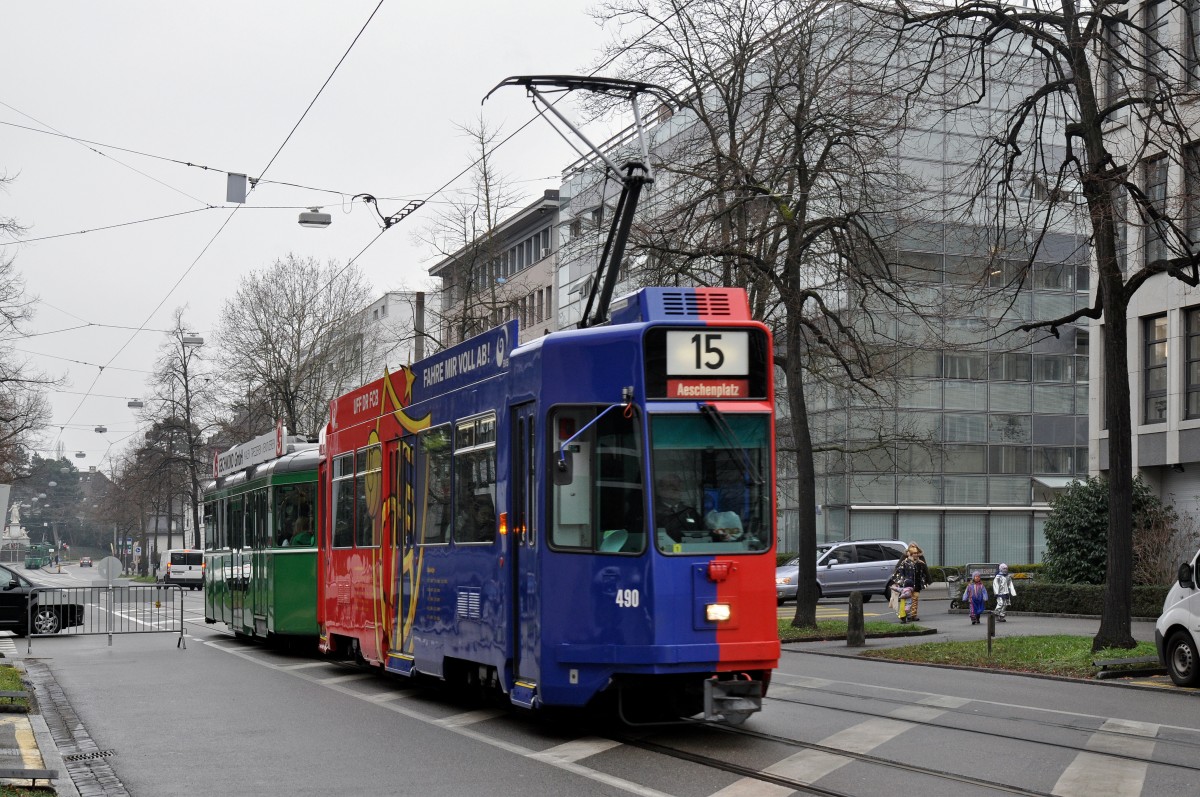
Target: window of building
(1154, 333)
(1010, 367)
(1192, 42)
(1191, 192)
(1008, 459)
(1158, 54)
(965, 365)
(1192, 376)
(1053, 368)
(1156, 193)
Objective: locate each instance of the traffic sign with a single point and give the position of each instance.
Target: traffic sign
(137, 549)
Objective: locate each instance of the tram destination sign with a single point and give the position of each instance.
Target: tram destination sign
(263, 448)
(706, 363)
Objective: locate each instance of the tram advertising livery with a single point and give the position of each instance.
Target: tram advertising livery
(587, 517)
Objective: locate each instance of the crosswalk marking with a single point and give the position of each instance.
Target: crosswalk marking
(809, 766)
(749, 787)
(338, 679)
(576, 750)
(1093, 773)
(468, 718)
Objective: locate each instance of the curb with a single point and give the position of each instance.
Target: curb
(842, 638)
(52, 758)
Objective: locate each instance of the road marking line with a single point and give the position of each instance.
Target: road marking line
(468, 718)
(748, 787)
(809, 766)
(338, 679)
(1095, 773)
(570, 752)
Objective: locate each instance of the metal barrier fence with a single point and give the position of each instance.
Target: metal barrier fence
(112, 610)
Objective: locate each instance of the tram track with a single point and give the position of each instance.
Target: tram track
(666, 746)
(809, 788)
(1174, 743)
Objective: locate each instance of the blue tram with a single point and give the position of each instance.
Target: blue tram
(585, 516)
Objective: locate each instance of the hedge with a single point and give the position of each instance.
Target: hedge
(1049, 598)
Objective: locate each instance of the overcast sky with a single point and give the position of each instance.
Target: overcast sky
(221, 84)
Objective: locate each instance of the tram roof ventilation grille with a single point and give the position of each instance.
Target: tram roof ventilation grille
(673, 304)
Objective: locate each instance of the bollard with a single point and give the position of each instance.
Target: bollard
(991, 632)
(855, 635)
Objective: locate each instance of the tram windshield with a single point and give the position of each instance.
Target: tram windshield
(710, 492)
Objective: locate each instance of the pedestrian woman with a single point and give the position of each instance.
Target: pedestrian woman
(911, 572)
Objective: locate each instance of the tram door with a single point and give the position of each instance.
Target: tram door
(400, 475)
(524, 527)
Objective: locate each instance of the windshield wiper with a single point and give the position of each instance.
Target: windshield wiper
(717, 419)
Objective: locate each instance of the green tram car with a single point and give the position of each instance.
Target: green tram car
(39, 555)
(260, 574)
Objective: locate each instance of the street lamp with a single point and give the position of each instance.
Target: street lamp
(192, 339)
(315, 219)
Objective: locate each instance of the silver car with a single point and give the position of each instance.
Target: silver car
(843, 567)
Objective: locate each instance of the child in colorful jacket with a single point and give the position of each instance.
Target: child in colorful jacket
(975, 597)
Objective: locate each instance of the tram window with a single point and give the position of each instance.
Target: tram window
(211, 540)
(433, 485)
(293, 515)
(234, 513)
(367, 487)
(475, 480)
(342, 498)
(602, 509)
(712, 486)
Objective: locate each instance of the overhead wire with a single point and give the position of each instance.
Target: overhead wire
(254, 181)
(228, 219)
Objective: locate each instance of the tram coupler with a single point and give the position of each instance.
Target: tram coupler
(731, 701)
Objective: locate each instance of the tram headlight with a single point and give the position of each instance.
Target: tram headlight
(717, 612)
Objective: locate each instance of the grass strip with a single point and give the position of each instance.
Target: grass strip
(1060, 654)
(836, 629)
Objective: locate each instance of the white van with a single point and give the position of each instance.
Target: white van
(1178, 627)
(183, 566)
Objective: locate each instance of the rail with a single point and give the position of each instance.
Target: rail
(112, 610)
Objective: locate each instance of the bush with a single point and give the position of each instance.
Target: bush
(1077, 529)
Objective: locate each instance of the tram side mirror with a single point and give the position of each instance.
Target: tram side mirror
(1186, 575)
(564, 467)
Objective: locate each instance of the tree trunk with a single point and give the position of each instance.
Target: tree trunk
(1115, 626)
(806, 583)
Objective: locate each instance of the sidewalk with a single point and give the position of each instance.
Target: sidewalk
(26, 743)
(952, 626)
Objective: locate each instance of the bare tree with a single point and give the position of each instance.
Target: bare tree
(779, 175)
(184, 403)
(24, 409)
(474, 292)
(292, 338)
(1101, 115)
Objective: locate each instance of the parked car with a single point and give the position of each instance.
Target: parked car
(49, 614)
(843, 567)
(85, 561)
